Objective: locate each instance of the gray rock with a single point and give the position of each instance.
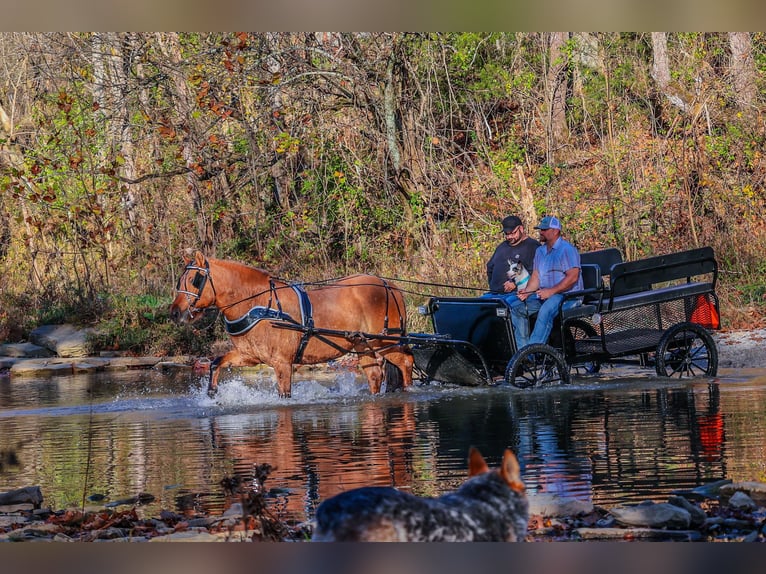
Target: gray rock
(188, 536)
(23, 350)
(636, 534)
(552, 505)
(41, 367)
(652, 515)
(755, 490)
(64, 340)
(698, 515)
(27, 495)
(742, 501)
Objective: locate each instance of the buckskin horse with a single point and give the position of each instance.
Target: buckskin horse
(282, 324)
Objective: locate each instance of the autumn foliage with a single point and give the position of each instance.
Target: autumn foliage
(320, 154)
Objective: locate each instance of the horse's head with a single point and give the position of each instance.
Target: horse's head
(194, 290)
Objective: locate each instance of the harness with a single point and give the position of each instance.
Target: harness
(258, 313)
(273, 312)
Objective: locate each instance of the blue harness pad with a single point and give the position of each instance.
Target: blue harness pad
(259, 313)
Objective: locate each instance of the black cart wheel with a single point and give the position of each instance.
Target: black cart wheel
(686, 350)
(537, 365)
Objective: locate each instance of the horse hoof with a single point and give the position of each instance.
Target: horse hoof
(212, 392)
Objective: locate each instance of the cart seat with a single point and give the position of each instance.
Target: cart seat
(653, 296)
(604, 258)
(591, 294)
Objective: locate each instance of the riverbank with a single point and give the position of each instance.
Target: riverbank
(736, 350)
(718, 512)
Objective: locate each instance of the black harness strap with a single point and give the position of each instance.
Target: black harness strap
(308, 322)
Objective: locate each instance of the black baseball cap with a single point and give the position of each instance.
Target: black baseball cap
(511, 222)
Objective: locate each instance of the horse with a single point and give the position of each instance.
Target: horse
(271, 321)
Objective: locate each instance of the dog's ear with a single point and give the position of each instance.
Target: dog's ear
(511, 472)
(476, 464)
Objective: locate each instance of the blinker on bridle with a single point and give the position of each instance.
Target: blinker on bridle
(198, 282)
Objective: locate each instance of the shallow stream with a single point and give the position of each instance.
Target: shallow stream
(617, 437)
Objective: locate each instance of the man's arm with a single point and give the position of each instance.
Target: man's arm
(570, 278)
(532, 285)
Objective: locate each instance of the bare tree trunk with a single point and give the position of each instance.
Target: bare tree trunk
(556, 88)
(743, 69)
(661, 70)
(185, 102)
(11, 155)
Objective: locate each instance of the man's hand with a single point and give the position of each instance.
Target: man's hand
(509, 286)
(544, 294)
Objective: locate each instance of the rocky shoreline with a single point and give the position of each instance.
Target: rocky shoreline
(718, 512)
(62, 349)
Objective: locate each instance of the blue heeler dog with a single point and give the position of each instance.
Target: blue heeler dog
(491, 506)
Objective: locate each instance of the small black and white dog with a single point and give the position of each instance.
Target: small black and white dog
(491, 506)
(518, 273)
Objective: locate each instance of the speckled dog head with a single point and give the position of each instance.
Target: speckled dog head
(491, 506)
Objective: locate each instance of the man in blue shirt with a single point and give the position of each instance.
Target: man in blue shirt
(556, 271)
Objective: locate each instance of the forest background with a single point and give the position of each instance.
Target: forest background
(315, 155)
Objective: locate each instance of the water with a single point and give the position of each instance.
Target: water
(618, 437)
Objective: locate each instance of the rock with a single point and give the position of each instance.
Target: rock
(90, 365)
(64, 340)
(635, 534)
(188, 536)
(698, 515)
(552, 505)
(9, 520)
(712, 490)
(27, 495)
(755, 490)
(40, 368)
(22, 350)
(742, 501)
(652, 515)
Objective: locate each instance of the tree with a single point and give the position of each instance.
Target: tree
(556, 91)
(743, 70)
(661, 71)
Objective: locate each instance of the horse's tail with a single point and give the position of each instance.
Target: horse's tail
(393, 377)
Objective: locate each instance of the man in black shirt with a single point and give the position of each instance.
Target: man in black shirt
(517, 247)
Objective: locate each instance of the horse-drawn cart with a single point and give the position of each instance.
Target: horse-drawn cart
(657, 310)
(654, 311)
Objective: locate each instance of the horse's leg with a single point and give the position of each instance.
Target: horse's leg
(370, 366)
(231, 359)
(284, 373)
(400, 358)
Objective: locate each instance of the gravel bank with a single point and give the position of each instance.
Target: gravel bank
(741, 349)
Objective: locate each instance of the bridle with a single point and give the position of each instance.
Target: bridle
(199, 282)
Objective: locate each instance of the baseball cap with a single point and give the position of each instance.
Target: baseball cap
(549, 222)
(511, 222)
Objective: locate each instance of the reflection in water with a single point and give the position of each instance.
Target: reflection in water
(602, 440)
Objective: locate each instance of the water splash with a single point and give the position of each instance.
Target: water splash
(262, 391)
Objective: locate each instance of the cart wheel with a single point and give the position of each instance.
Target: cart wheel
(686, 350)
(535, 365)
(579, 329)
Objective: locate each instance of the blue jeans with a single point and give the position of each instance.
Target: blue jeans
(546, 312)
(511, 299)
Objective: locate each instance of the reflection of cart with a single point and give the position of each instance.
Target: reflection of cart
(654, 311)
